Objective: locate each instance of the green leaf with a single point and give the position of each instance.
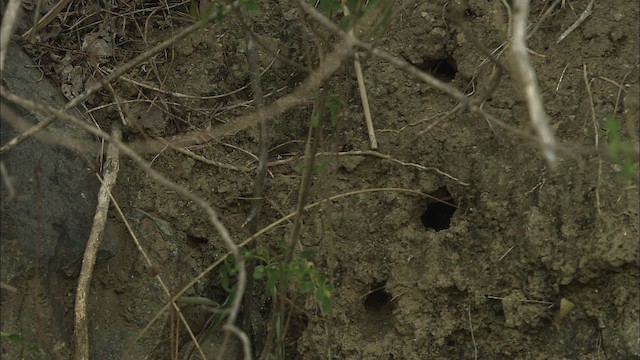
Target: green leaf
(250, 5)
(15, 338)
(258, 272)
(198, 300)
(194, 9)
(248, 254)
(224, 279)
(219, 317)
(205, 16)
(323, 296)
(219, 13)
(272, 280)
(332, 105)
(307, 254)
(614, 137)
(282, 244)
(306, 287)
(34, 350)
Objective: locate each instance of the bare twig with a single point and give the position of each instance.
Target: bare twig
(36, 19)
(587, 83)
(48, 17)
(244, 340)
(99, 84)
(311, 148)
(262, 232)
(20, 124)
(207, 161)
(473, 338)
(539, 119)
(158, 177)
(548, 303)
(543, 18)
(331, 64)
(258, 184)
(403, 163)
(8, 182)
(399, 63)
(508, 9)
(5, 286)
(585, 14)
(112, 166)
(561, 76)
(186, 96)
(506, 253)
(9, 21)
(150, 265)
(365, 103)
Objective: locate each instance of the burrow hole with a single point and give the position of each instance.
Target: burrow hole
(378, 301)
(442, 69)
(438, 214)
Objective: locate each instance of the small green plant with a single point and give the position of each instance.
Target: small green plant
(19, 341)
(620, 151)
(302, 274)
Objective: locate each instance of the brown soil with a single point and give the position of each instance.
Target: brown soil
(486, 283)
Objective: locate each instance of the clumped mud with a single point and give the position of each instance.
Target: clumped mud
(479, 276)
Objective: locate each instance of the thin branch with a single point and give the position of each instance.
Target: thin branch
(587, 83)
(48, 17)
(399, 63)
(543, 18)
(95, 87)
(9, 22)
(150, 265)
(158, 177)
(300, 95)
(112, 165)
(203, 159)
(269, 227)
(244, 340)
(365, 104)
(8, 182)
(403, 163)
(259, 181)
(539, 119)
(311, 148)
(20, 124)
(585, 14)
(473, 338)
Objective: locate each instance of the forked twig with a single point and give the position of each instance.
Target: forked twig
(585, 14)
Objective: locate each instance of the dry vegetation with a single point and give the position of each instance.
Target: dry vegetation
(122, 63)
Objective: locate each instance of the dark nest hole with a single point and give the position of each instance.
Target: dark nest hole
(439, 211)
